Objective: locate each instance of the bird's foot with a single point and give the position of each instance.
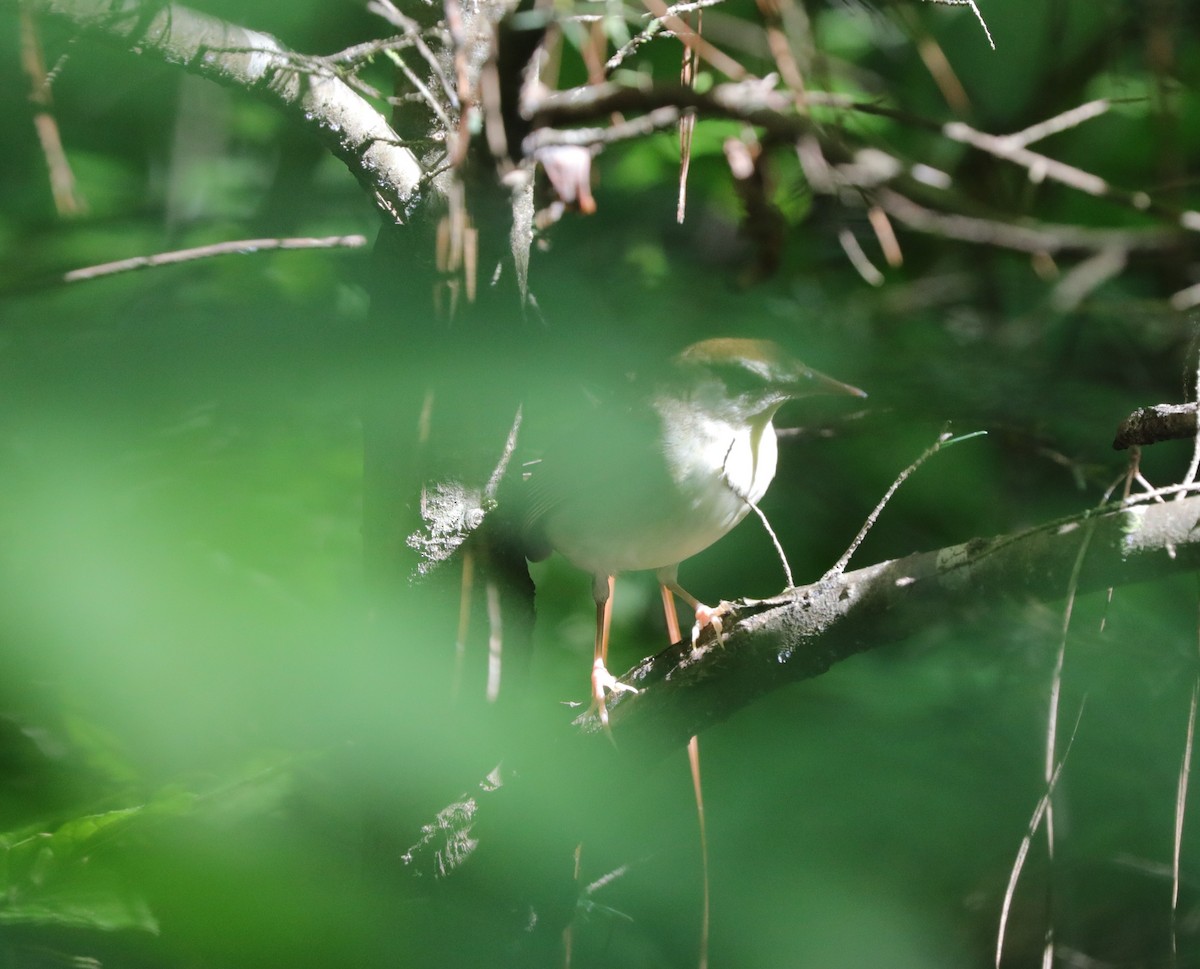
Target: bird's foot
(709, 616)
(604, 682)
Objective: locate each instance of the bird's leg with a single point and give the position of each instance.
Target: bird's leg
(602, 679)
(668, 578)
(669, 613)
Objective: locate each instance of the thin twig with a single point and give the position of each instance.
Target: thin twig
(1156, 495)
(1151, 492)
(1186, 299)
(416, 82)
(348, 124)
(780, 42)
(235, 247)
(389, 12)
(1125, 480)
(622, 52)
(858, 259)
(651, 30)
(495, 640)
(466, 588)
(687, 123)
(1185, 770)
(1040, 166)
(656, 120)
(1086, 277)
(1071, 118)
(944, 440)
(63, 188)
(693, 749)
(1046, 237)
(1190, 476)
(787, 569)
(978, 16)
(359, 54)
(1052, 765)
(756, 102)
(692, 40)
(941, 70)
(328, 68)
(510, 446)
(886, 236)
(1051, 756)
(1035, 821)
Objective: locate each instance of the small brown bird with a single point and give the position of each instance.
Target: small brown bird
(648, 483)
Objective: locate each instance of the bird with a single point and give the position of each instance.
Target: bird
(647, 479)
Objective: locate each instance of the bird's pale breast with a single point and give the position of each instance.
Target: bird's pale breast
(719, 469)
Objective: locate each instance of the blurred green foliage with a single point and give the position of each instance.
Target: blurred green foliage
(212, 751)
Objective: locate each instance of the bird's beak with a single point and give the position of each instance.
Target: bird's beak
(813, 382)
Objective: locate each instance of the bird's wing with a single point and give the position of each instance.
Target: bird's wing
(601, 464)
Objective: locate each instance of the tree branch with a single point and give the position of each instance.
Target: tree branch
(231, 247)
(803, 632)
(758, 103)
(349, 125)
(1029, 236)
(800, 634)
(1160, 422)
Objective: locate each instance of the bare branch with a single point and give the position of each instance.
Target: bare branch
(1041, 810)
(1040, 166)
(1085, 278)
(416, 82)
(691, 39)
(1060, 122)
(1185, 299)
(757, 103)
(767, 644)
(1162, 422)
(1185, 770)
(653, 28)
(858, 259)
(656, 120)
(753, 101)
(412, 30)
(1029, 237)
(803, 632)
(67, 200)
(361, 53)
(945, 439)
(978, 16)
(349, 125)
(233, 247)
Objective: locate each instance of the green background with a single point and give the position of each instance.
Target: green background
(211, 753)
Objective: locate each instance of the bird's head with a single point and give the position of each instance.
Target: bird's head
(739, 379)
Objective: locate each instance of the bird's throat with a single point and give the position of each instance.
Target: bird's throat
(721, 468)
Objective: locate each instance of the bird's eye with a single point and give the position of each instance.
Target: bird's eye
(739, 379)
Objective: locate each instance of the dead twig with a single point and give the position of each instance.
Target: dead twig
(978, 16)
(651, 30)
(325, 103)
(944, 440)
(1028, 237)
(412, 30)
(1160, 422)
(67, 200)
(716, 58)
(426, 95)
(233, 247)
